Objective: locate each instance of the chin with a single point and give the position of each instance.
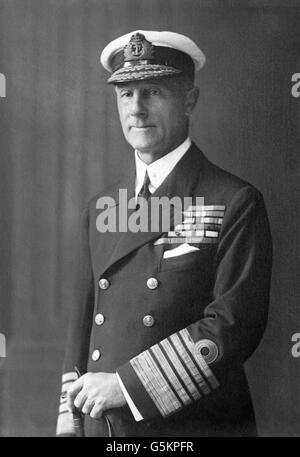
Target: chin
(141, 144)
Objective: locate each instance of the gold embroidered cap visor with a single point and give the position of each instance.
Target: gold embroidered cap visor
(135, 57)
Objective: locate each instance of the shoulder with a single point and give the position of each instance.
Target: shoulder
(215, 182)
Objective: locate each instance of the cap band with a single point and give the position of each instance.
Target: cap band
(162, 56)
(140, 59)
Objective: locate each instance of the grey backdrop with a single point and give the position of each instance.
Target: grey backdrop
(60, 143)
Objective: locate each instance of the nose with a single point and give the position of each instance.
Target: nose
(138, 105)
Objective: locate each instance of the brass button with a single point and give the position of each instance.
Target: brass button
(99, 319)
(96, 355)
(104, 283)
(152, 283)
(148, 320)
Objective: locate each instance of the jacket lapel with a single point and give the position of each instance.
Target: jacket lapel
(180, 183)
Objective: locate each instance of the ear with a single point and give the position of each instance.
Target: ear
(191, 99)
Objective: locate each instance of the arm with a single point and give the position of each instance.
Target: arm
(194, 361)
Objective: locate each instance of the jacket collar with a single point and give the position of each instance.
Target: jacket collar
(159, 169)
(181, 183)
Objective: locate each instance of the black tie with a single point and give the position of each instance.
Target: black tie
(145, 192)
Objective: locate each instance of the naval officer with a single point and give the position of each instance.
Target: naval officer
(164, 320)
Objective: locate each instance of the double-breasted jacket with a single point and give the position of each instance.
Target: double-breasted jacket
(176, 328)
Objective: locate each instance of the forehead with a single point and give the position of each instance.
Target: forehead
(145, 84)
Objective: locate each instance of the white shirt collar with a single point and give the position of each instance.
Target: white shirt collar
(160, 169)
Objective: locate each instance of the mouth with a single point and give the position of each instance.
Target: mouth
(142, 127)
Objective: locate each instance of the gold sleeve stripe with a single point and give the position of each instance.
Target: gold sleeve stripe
(155, 384)
(199, 360)
(165, 394)
(171, 376)
(186, 356)
(178, 369)
(166, 379)
(181, 368)
(174, 372)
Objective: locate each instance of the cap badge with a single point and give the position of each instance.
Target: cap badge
(138, 48)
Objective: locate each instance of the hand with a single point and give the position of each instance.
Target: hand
(93, 393)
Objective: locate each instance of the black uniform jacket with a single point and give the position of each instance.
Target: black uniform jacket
(177, 329)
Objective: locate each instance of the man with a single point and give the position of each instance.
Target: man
(164, 320)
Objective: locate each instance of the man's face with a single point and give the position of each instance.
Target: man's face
(152, 115)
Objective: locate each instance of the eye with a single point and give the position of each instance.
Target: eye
(126, 93)
(154, 91)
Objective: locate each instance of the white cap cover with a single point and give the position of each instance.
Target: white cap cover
(143, 54)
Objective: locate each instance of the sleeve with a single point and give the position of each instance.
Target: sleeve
(193, 362)
(81, 309)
